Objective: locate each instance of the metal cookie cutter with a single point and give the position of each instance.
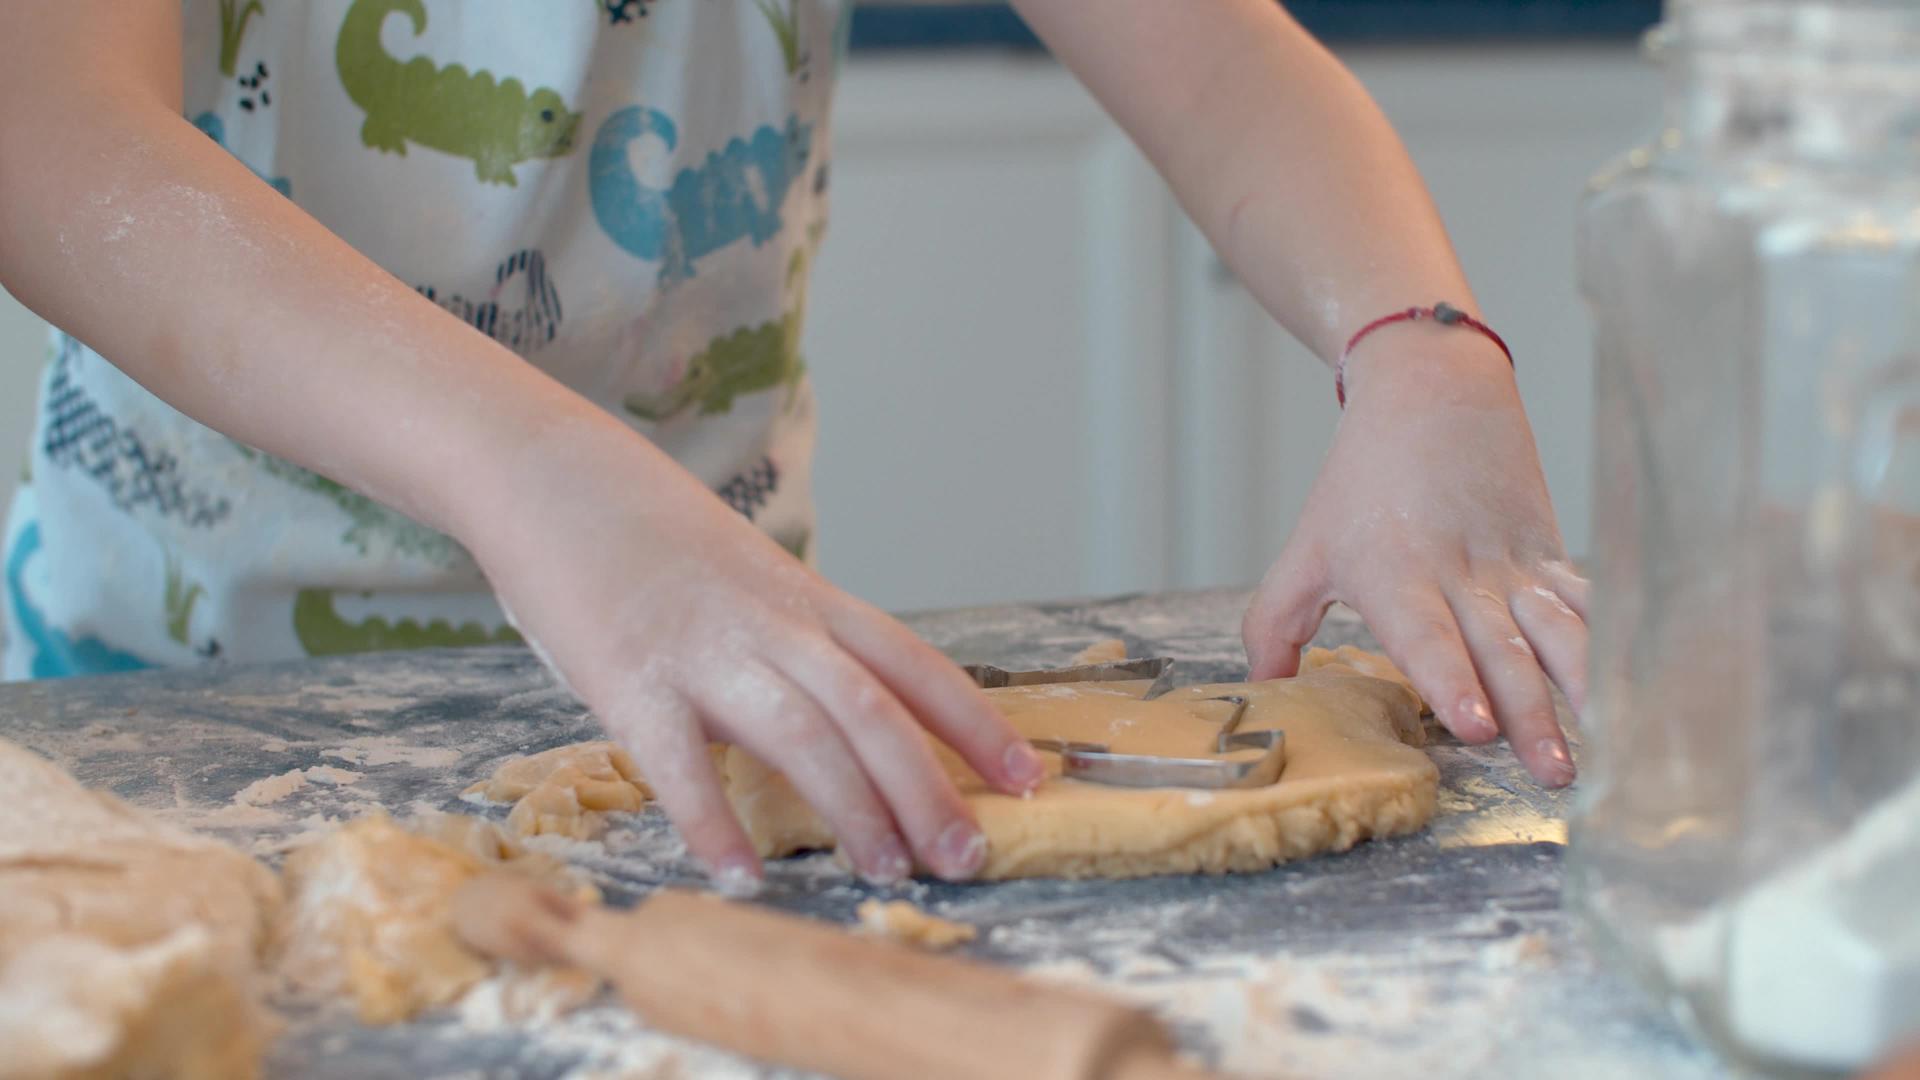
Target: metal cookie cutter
(1158, 669)
(1096, 763)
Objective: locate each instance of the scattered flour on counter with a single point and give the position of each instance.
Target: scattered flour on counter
(99, 737)
(825, 871)
(393, 750)
(1122, 943)
(652, 848)
(256, 808)
(566, 848)
(1482, 993)
(301, 832)
(271, 789)
(1465, 1006)
(274, 788)
(232, 816)
(606, 1040)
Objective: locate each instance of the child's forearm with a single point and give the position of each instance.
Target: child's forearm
(1275, 150)
(679, 623)
(131, 229)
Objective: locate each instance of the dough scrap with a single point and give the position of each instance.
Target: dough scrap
(1354, 771)
(1362, 661)
(566, 791)
(1109, 651)
(367, 913)
(73, 1006)
(127, 946)
(900, 921)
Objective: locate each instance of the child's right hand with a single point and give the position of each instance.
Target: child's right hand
(675, 620)
(680, 624)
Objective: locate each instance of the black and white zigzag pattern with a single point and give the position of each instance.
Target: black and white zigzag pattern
(619, 11)
(77, 433)
(524, 326)
(749, 491)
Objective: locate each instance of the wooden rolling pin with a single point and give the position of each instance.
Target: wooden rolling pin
(805, 994)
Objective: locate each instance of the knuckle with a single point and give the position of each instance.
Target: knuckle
(656, 743)
(787, 723)
(966, 717)
(1534, 712)
(1545, 603)
(860, 698)
(821, 769)
(1481, 600)
(1433, 631)
(1438, 656)
(918, 651)
(868, 700)
(1431, 641)
(1409, 613)
(1455, 686)
(1294, 580)
(848, 690)
(807, 642)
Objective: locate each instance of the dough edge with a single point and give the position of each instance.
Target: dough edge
(1143, 833)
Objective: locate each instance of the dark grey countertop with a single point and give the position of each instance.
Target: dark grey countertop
(1446, 952)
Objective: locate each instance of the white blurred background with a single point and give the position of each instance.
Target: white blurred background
(1037, 383)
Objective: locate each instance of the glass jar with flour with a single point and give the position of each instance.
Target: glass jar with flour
(1747, 833)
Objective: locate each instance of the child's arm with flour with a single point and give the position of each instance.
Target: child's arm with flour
(676, 621)
(1430, 515)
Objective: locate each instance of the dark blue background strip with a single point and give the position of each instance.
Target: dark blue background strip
(950, 26)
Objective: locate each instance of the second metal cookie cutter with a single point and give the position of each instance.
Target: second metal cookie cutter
(1097, 763)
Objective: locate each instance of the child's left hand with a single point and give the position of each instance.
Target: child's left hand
(1431, 518)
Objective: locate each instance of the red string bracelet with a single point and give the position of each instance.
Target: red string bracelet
(1443, 313)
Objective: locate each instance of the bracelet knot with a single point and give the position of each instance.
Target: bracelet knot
(1442, 312)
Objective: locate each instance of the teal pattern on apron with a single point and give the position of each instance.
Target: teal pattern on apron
(627, 193)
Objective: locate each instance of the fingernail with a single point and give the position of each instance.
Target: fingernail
(1476, 723)
(1559, 763)
(961, 849)
(891, 866)
(737, 878)
(1022, 765)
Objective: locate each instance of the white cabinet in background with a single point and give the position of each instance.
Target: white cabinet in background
(991, 334)
(1035, 379)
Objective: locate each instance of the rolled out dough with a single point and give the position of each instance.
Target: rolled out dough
(367, 915)
(1354, 771)
(127, 947)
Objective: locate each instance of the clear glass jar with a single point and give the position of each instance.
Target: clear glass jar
(1747, 832)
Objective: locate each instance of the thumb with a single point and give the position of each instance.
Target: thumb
(1284, 614)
